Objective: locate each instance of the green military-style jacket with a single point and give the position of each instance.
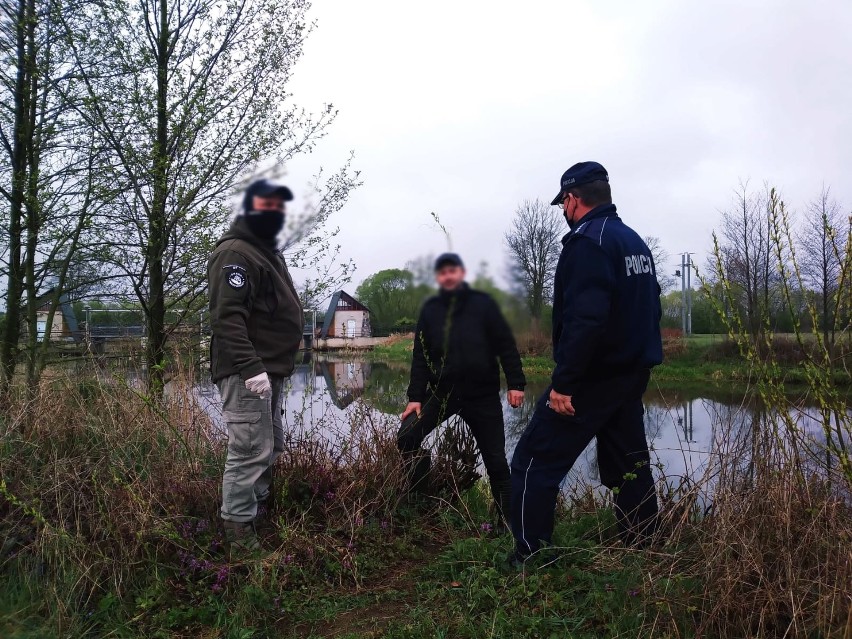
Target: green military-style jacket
(255, 312)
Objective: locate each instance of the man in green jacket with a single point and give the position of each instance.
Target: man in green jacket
(257, 324)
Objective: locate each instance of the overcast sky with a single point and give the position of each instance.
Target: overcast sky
(466, 108)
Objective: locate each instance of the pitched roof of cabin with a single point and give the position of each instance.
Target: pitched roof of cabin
(332, 309)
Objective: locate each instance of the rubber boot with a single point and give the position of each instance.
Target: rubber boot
(501, 490)
(242, 539)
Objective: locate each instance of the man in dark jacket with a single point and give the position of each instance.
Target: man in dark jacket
(257, 324)
(461, 334)
(606, 338)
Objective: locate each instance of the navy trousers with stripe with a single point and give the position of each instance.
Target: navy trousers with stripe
(552, 443)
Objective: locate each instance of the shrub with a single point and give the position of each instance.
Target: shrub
(534, 343)
(673, 342)
(109, 507)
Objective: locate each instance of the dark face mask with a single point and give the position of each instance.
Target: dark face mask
(266, 225)
(572, 222)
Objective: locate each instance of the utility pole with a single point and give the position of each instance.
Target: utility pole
(683, 293)
(689, 293)
(686, 292)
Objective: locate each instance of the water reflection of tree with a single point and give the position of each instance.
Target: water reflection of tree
(386, 388)
(516, 419)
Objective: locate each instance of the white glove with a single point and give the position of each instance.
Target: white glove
(260, 385)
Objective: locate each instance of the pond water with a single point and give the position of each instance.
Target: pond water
(327, 394)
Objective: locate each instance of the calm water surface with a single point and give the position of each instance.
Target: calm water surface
(327, 395)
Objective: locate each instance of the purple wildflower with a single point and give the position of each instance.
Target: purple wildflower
(221, 579)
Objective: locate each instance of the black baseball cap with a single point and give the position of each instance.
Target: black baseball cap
(265, 188)
(448, 259)
(580, 173)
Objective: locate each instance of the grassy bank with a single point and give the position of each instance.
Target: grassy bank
(108, 528)
(699, 359)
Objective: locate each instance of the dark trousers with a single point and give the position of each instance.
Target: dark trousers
(484, 417)
(551, 444)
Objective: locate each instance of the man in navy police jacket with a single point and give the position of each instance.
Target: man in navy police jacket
(606, 338)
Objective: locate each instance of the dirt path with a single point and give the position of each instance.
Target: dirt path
(371, 620)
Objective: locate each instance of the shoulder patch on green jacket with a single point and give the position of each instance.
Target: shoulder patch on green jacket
(236, 276)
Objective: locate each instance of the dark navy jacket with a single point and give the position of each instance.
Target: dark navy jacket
(606, 305)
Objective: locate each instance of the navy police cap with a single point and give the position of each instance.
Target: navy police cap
(580, 173)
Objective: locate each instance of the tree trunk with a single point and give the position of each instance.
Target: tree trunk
(14, 292)
(32, 208)
(537, 307)
(156, 338)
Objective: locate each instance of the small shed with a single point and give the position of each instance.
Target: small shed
(346, 317)
(64, 327)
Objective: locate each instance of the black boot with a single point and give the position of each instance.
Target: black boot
(501, 490)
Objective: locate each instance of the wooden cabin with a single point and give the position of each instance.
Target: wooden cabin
(346, 317)
(64, 327)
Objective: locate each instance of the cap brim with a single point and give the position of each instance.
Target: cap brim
(558, 199)
(281, 191)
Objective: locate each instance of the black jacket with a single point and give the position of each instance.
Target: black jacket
(459, 338)
(606, 305)
(255, 311)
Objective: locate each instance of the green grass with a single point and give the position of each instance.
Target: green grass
(399, 350)
(449, 581)
(698, 363)
(467, 592)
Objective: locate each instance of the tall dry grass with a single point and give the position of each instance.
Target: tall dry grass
(109, 496)
(765, 535)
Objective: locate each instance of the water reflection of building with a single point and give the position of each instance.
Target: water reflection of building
(345, 381)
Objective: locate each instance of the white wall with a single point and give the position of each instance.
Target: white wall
(340, 320)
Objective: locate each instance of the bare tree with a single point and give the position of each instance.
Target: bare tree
(661, 258)
(747, 262)
(422, 269)
(188, 97)
(311, 247)
(821, 241)
(534, 245)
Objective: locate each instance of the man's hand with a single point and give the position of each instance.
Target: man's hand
(561, 403)
(413, 407)
(260, 385)
(516, 398)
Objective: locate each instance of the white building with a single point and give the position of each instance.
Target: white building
(346, 317)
